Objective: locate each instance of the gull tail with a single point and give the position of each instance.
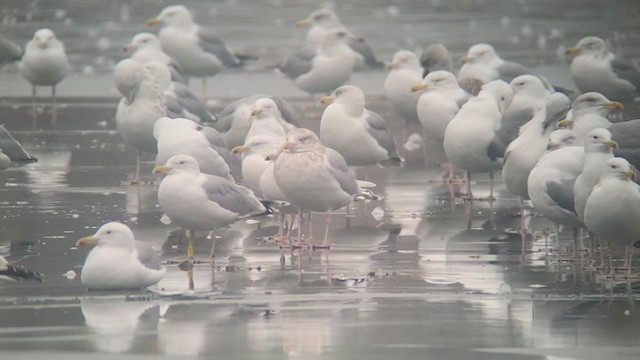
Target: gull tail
(392, 161)
(18, 273)
(364, 194)
(12, 148)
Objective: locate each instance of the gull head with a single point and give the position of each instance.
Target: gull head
(436, 80)
(556, 109)
(500, 91)
(43, 38)
(113, 234)
(128, 75)
(596, 103)
(480, 54)
(619, 168)
(302, 140)
(349, 96)
(325, 18)
(560, 138)
(404, 59)
(174, 15)
(264, 108)
(180, 163)
(339, 35)
(589, 45)
(599, 140)
(435, 57)
(142, 41)
(260, 144)
(529, 85)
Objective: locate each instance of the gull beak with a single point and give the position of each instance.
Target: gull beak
(240, 149)
(612, 144)
(255, 111)
(129, 47)
(391, 66)
(565, 123)
(270, 157)
(358, 39)
(161, 169)
(287, 145)
(87, 240)
(303, 23)
(42, 43)
(466, 59)
(614, 105)
(572, 50)
(631, 174)
(552, 146)
(418, 87)
(152, 21)
(326, 100)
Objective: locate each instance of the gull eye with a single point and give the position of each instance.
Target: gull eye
(341, 34)
(182, 162)
(318, 17)
(109, 232)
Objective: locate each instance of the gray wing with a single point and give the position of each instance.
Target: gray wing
(12, 148)
(288, 113)
(508, 131)
(369, 57)
(627, 135)
(176, 74)
(339, 169)
(210, 43)
(561, 191)
(510, 70)
(191, 103)
(235, 198)
(147, 256)
(624, 69)
(174, 109)
(225, 118)
(299, 63)
(9, 51)
(379, 130)
(217, 142)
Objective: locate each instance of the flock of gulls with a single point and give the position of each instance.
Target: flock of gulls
(562, 155)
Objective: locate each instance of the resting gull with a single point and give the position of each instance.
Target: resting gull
(254, 152)
(590, 111)
(44, 63)
(405, 71)
(595, 68)
(266, 120)
(145, 47)
(118, 261)
(360, 135)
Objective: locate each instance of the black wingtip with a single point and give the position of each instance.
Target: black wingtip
(366, 195)
(18, 272)
(393, 161)
(269, 207)
(637, 244)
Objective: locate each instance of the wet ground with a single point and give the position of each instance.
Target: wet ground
(417, 275)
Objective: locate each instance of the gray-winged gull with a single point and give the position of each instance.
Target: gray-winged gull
(595, 68)
(11, 150)
(254, 152)
(405, 71)
(360, 135)
(145, 47)
(267, 120)
(613, 208)
(323, 20)
(590, 111)
(44, 63)
(197, 201)
(118, 261)
(468, 136)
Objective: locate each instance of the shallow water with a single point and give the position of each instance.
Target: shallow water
(426, 277)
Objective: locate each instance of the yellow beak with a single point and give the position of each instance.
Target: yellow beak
(465, 59)
(632, 174)
(391, 66)
(87, 240)
(612, 144)
(240, 149)
(303, 23)
(418, 87)
(152, 21)
(572, 50)
(129, 47)
(614, 105)
(326, 100)
(565, 123)
(42, 43)
(161, 169)
(255, 111)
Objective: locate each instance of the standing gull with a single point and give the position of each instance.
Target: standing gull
(405, 71)
(44, 63)
(322, 70)
(202, 202)
(590, 111)
(145, 47)
(314, 177)
(254, 152)
(613, 208)
(198, 50)
(595, 68)
(267, 120)
(360, 135)
(323, 20)
(468, 136)
(119, 262)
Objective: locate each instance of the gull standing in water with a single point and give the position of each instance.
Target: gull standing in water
(44, 63)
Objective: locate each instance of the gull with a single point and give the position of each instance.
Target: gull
(11, 151)
(145, 47)
(254, 153)
(184, 136)
(314, 177)
(598, 149)
(179, 93)
(15, 273)
(523, 153)
(234, 121)
(198, 50)
(440, 100)
(590, 111)
(322, 21)
(405, 71)
(202, 202)
(267, 120)
(324, 69)
(360, 135)
(434, 58)
(9, 51)
(613, 208)
(119, 262)
(468, 136)
(44, 63)
(595, 68)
